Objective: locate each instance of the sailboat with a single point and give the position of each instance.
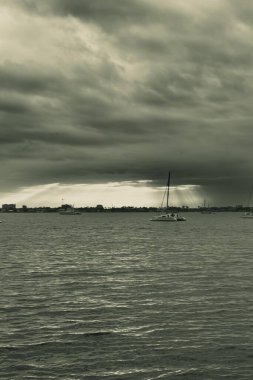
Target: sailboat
(168, 216)
(205, 209)
(248, 214)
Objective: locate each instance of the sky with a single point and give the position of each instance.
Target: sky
(100, 99)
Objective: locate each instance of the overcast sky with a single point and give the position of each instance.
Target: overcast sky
(106, 94)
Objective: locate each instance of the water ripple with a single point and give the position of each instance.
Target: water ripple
(116, 296)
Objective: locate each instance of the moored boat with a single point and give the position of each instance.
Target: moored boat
(249, 214)
(69, 211)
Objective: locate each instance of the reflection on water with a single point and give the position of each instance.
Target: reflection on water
(116, 296)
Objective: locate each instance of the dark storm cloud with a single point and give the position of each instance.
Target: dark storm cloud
(21, 78)
(107, 13)
(125, 90)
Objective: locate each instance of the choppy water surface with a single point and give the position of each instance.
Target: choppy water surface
(115, 296)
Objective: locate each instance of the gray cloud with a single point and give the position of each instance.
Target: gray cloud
(110, 90)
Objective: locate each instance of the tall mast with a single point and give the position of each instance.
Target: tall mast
(250, 196)
(168, 191)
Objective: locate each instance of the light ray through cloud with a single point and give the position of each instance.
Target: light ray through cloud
(112, 194)
(117, 91)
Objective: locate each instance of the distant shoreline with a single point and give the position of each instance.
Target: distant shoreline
(102, 209)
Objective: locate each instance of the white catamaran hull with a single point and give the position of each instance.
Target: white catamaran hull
(168, 218)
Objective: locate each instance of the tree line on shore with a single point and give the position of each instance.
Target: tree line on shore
(101, 208)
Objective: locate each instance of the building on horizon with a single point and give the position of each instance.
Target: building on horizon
(9, 207)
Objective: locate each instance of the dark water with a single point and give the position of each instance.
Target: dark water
(115, 296)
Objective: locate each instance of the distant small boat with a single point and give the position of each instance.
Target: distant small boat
(249, 214)
(69, 211)
(167, 216)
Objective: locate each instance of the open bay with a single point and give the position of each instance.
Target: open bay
(115, 296)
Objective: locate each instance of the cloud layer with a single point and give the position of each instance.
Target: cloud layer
(99, 91)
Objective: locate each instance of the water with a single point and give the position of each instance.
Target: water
(115, 296)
